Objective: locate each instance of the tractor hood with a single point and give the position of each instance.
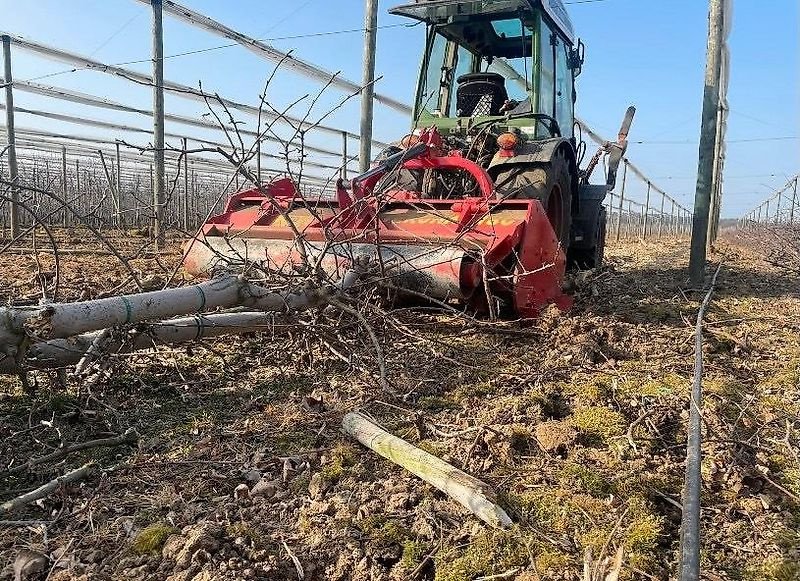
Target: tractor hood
(441, 11)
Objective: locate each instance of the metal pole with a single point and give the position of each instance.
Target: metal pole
(661, 215)
(794, 201)
(344, 155)
(778, 208)
(766, 213)
(186, 182)
(622, 196)
(690, 532)
(258, 156)
(758, 219)
(120, 222)
(368, 90)
(629, 221)
(13, 170)
(646, 211)
(158, 124)
(610, 213)
(111, 186)
(672, 222)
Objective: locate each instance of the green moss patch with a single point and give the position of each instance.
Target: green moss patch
(490, 553)
(151, 538)
(598, 424)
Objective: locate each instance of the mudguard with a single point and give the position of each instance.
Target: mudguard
(531, 151)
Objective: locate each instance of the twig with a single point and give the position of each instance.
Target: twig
(506, 575)
(297, 565)
(128, 437)
(46, 489)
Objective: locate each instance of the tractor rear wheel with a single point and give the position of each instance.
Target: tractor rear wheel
(551, 184)
(588, 258)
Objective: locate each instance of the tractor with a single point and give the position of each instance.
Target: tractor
(482, 203)
(498, 83)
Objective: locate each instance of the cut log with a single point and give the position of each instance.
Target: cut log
(477, 496)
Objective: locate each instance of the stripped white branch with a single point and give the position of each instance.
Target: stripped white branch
(46, 489)
(475, 495)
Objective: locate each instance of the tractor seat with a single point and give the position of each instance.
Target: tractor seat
(480, 94)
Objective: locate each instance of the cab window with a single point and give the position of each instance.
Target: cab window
(547, 74)
(432, 71)
(564, 90)
(465, 64)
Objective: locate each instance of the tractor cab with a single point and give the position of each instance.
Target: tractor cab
(485, 59)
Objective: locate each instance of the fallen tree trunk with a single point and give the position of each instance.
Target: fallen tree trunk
(63, 352)
(22, 326)
(468, 491)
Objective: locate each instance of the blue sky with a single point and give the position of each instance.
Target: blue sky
(650, 53)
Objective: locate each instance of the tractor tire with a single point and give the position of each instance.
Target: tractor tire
(551, 184)
(589, 258)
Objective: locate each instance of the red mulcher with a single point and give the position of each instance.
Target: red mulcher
(445, 249)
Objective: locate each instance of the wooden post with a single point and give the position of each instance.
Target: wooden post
(646, 211)
(794, 202)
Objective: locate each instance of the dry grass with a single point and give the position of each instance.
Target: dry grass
(612, 375)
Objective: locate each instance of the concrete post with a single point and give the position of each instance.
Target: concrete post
(344, 155)
(368, 78)
(64, 191)
(120, 219)
(13, 169)
(702, 202)
(186, 182)
(159, 186)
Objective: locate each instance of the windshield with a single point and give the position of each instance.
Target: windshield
(449, 77)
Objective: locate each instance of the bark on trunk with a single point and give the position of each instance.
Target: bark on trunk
(63, 352)
(71, 328)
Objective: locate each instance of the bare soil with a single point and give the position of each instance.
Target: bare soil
(577, 420)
